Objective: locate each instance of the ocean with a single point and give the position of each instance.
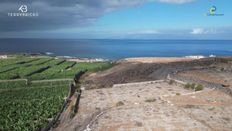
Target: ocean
(117, 49)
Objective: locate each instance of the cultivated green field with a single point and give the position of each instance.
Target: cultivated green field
(32, 89)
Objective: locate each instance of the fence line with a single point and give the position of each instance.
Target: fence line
(72, 89)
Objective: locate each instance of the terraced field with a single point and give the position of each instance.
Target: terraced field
(30, 108)
(32, 89)
(44, 68)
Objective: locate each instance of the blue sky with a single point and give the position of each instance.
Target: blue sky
(169, 16)
(159, 19)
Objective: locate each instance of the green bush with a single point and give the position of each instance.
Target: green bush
(199, 87)
(187, 86)
(28, 109)
(171, 82)
(120, 103)
(193, 86)
(12, 84)
(150, 100)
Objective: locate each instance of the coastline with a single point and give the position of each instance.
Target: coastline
(86, 59)
(153, 59)
(162, 59)
(68, 58)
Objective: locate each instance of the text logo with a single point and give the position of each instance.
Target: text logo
(212, 12)
(23, 12)
(23, 8)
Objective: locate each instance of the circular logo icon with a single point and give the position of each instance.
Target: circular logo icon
(213, 10)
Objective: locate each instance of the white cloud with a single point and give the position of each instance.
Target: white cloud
(65, 14)
(144, 32)
(176, 1)
(198, 31)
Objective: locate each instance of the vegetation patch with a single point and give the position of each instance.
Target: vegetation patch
(60, 62)
(68, 67)
(193, 86)
(150, 100)
(12, 84)
(120, 103)
(45, 68)
(28, 104)
(9, 69)
(30, 108)
(190, 106)
(38, 71)
(171, 82)
(199, 87)
(139, 124)
(212, 108)
(226, 118)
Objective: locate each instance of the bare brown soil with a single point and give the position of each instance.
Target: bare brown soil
(125, 72)
(159, 59)
(154, 105)
(223, 78)
(141, 98)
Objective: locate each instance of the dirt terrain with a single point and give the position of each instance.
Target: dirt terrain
(138, 96)
(214, 76)
(134, 71)
(160, 59)
(154, 105)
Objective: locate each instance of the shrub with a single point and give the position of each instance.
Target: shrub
(171, 82)
(187, 86)
(226, 118)
(193, 86)
(190, 106)
(150, 100)
(212, 108)
(199, 87)
(120, 103)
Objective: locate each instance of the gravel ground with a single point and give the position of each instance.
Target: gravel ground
(108, 104)
(155, 105)
(126, 72)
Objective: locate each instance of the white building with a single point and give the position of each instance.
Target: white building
(3, 56)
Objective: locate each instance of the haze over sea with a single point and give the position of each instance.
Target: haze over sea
(117, 49)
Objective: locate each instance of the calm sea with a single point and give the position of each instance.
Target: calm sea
(117, 49)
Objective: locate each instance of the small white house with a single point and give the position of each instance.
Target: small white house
(3, 56)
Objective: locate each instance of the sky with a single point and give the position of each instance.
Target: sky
(117, 19)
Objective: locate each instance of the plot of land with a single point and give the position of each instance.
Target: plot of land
(39, 68)
(32, 89)
(153, 105)
(214, 76)
(159, 59)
